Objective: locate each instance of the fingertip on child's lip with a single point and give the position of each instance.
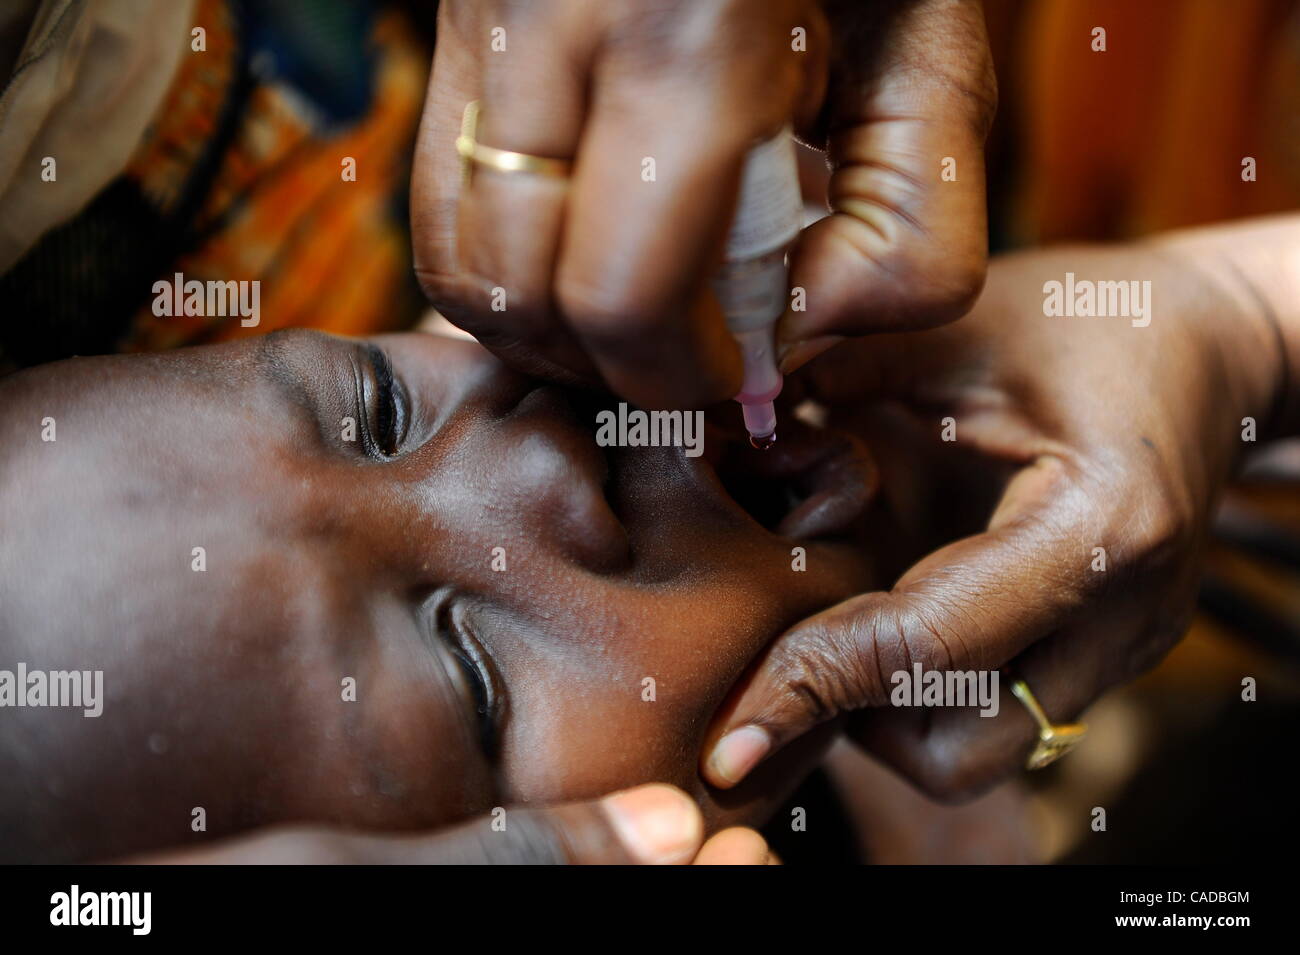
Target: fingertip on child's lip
(734, 756)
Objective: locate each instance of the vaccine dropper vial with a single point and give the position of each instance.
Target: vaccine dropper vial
(752, 281)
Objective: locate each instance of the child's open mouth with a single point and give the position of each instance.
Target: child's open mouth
(814, 482)
(626, 471)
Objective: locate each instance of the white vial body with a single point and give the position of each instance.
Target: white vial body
(752, 282)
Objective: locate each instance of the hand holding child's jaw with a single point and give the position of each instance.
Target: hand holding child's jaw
(1093, 432)
(351, 652)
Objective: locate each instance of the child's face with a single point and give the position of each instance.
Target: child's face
(497, 595)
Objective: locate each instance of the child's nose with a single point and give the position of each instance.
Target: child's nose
(540, 478)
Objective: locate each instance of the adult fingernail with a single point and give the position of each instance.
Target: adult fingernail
(797, 354)
(738, 752)
(658, 823)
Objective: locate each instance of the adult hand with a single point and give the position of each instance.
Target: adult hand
(604, 275)
(655, 824)
(1116, 438)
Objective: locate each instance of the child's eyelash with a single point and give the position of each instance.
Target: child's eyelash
(386, 411)
(449, 626)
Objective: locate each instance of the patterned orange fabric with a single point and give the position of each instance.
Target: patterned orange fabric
(329, 253)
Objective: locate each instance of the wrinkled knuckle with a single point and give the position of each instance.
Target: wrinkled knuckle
(607, 313)
(822, 673)
(924, 624)
(901, 635)
(804, 669)
(883, 631)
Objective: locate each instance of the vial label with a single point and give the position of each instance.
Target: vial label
(769, 210)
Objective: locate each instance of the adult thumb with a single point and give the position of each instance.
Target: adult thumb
(654, 824)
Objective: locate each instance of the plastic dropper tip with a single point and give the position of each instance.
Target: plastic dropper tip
(763, 441)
